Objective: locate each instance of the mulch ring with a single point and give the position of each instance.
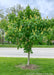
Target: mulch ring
(30, 67)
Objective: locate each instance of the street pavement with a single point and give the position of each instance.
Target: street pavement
(37, 52)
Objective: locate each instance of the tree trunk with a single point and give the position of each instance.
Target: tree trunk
(28, 59)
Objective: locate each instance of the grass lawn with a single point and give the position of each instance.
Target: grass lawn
(7, 66)
(40, 46)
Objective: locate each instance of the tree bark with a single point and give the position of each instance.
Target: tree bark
(28, 59)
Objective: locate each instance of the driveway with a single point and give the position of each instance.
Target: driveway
(37, 52)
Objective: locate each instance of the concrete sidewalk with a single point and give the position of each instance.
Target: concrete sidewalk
(37, 52)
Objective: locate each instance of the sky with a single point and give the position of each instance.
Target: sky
(46, 7)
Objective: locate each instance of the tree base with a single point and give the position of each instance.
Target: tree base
(30, 67)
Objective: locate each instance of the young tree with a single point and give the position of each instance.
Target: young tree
(27, 29)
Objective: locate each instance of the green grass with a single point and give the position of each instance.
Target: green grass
(44, 46)
(7, 66)
(8, 45)
(40, 46)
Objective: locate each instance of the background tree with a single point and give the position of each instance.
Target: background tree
(1, 14)
(1, 30)
(50, 24)
(14, 9)
(12, 12)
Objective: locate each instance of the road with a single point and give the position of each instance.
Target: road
(37, 52)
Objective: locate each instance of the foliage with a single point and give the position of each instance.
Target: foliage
(4, 24)
(28, 28)
(23, 30)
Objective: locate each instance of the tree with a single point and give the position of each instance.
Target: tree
(1, 36)
(12, 12)
(50, 24)
(14, 9)
(3, 28)
(1, 17)
(1, 14)
(27, 29)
